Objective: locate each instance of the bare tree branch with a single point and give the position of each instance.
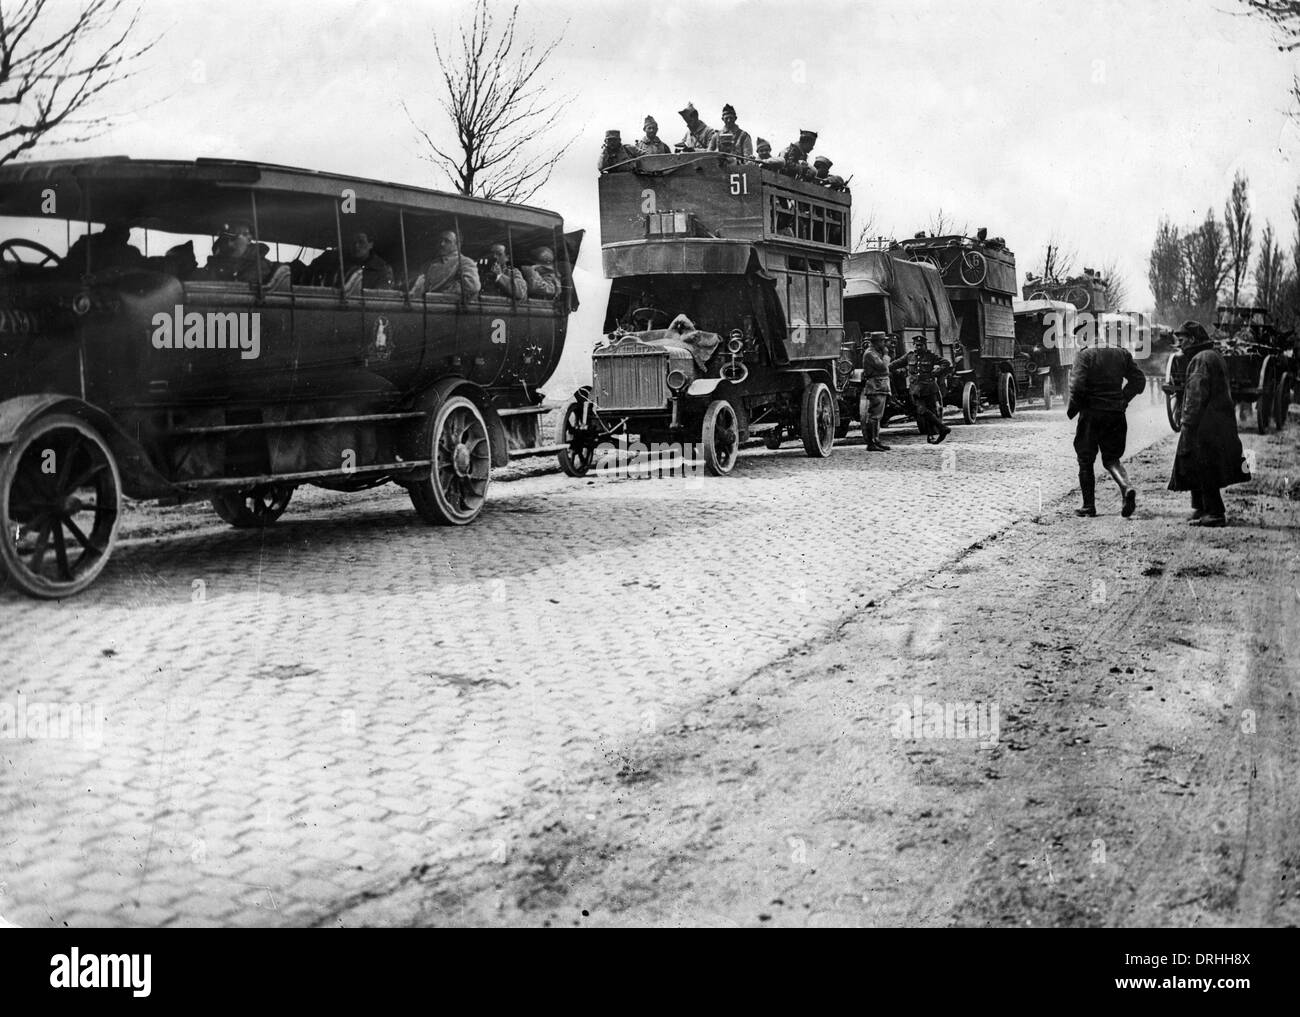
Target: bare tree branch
(56, 61)
(496, 99)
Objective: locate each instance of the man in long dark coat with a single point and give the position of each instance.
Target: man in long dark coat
(1209, 454)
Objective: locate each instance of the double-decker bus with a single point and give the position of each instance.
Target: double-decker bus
(130, 367)
(725, 314)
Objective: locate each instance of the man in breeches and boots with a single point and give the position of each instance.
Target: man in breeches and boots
(925, 372)
(875, 390)
(1209, 450)
(1103, 382)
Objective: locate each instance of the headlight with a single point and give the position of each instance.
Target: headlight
(677, 379)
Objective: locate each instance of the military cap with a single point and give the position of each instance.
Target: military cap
(728, 110)
(809, 135)
(821, 160)
(689, 113)
(650, 122)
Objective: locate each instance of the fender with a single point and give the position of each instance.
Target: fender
(432, 397)
(704, 386)
(140, 479)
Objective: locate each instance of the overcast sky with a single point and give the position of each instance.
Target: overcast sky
(1082, 122)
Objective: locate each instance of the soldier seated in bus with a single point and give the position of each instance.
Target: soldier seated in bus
(542, 279)
(795, 156)
(236, 257)
(450, 271)
(108, 249)
(376, 274)
(499, 277)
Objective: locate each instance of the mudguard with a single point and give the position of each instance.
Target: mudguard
(432, 397)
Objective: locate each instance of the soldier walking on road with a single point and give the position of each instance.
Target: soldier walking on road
(1103, 382)
(1209, 450)
(925, 371)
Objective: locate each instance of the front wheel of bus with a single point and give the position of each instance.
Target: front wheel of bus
(721, 438)
(456, 439)
(817, 420)
(60, 498)
(575, 458)
(261, 506)
(970, 402)
(1007, 394)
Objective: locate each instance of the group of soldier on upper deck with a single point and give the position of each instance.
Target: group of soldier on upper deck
(732, 141)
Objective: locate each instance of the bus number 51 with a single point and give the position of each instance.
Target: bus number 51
(740, 183)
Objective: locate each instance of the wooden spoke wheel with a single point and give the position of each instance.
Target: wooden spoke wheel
(1264, 400)
(456, 439)
(1007, 394)
(575, 459)
(60, 498)
(817, 420)
(1174, 410)
(720, 435)
(970, 402)
(1282, 399)
(255, 508)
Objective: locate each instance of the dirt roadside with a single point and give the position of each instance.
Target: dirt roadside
(1134, 762)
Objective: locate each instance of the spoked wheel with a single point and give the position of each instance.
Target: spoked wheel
(970, 402)
(973, 268)
(1174, 410)
(1047, 391)
(773, 437)
(1264, 401)
(255, 508)
(1007, 394)
(60, 495)
(817, 420)
(720, 435)
(575, 459)
(1282, 399)
(456, 489)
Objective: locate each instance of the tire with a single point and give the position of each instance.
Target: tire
(1007, 394)
(574, 462)
(456, 439)
(970, 402)
(1282, 400)
(52, 508)
(973, 268)
(1174, 410)
(1267, 392)
(1047, 391)
(817, 420)
(255, 508)
(720, 436)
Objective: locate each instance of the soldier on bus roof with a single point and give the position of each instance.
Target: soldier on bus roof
(741, 145)
(795, 156)
(699, 137)
(651, 144)
(824, 175)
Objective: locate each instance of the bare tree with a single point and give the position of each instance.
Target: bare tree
(866, 230)
(56, 61)
(1236, 214)
(1056, 262)
(1205, 250)
(1166, 270)
(943, 225)
(497, 96)
(1270, 270)
(1285, 17)
(1116, 284)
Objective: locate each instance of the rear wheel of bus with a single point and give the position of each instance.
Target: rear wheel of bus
(455, 438)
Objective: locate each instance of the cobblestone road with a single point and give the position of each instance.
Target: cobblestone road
(293, 717)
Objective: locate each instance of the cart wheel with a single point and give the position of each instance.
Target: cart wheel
(1047, 391)
(970, 402)
(1174, 410)
(1264, 397)
(254, 508)
(773, 437)
(817, 420)
(1261, 411)
(721, 436)
(574, 460)
(1282, 400)
(973, 268)
(456, 488)
(60, 496)
(1007, 394)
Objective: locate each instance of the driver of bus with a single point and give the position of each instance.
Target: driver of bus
(450, 271)
(236, 257)
(108, 249)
